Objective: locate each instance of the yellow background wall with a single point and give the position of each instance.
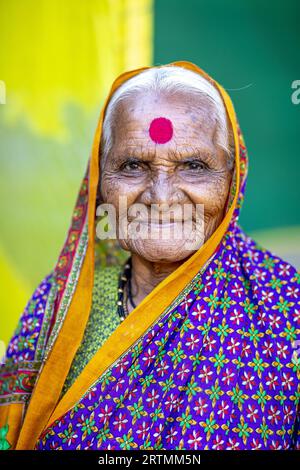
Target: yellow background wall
(57, 60)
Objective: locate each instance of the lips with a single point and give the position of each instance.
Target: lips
(160, 222)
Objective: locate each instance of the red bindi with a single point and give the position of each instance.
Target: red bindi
(161, 130)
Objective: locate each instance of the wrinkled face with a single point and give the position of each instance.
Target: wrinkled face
(164, 163)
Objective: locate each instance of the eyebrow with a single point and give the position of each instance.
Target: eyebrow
(192, 152)
(176, 154)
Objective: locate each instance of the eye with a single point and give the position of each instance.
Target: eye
(131, 165)
(195, 165)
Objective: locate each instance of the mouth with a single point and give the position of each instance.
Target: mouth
(160, 222)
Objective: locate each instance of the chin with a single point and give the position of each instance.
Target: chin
(163, 251)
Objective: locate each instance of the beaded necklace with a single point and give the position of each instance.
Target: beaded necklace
(124, 287)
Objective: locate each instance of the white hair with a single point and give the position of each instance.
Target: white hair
(168, 80)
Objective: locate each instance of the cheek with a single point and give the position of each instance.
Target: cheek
(113, 187)
(212, 193)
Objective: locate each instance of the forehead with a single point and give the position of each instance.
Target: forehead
(192, 119)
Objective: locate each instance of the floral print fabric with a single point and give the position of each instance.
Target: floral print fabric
(218, 371)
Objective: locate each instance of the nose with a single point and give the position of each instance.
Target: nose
(162, 190)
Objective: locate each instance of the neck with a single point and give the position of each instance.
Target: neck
(146, 275)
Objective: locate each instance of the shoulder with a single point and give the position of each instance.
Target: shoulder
(274, 286)
(265, 266)
(23, 359)
(33, 324)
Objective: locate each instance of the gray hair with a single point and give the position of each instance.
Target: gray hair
(169, 79)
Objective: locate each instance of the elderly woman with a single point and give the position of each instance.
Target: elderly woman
(189, 344)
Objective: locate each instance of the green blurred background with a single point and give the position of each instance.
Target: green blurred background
(250, 47)
(58, 59)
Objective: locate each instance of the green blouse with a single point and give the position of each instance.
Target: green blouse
(103, 320)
